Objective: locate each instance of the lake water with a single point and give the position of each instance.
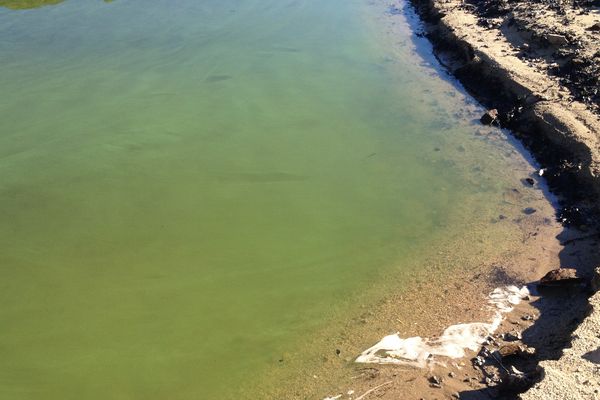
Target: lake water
(190, 188)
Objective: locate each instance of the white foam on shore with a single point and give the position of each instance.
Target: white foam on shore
(453, 343)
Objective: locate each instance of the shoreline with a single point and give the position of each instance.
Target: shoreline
(561, 134)
(559, 131)
(492, 58)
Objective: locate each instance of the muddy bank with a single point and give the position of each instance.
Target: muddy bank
(536, 63)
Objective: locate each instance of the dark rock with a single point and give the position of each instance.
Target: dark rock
(513, 349)
(512, 336)
(529, 210)
(595, 27)
(556, 40)
(489, 117)
(529, 181)
(560, 277)
(435, 380)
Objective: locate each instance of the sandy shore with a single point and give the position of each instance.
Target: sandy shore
(537, 65)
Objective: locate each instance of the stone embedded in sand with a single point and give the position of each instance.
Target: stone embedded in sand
(529, 210)
(515, 349)
(529, 181)
(595, 27)
(435, 381)
(556, 40)
(489, 117)
(560, 277)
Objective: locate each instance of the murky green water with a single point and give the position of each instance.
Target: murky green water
(187, 188)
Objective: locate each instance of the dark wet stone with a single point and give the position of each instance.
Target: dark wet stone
(529, 181)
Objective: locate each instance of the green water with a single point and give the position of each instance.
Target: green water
(187, 188)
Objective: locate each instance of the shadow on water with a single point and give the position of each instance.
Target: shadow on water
(29, 4)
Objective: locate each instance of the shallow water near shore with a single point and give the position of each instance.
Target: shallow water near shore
(189, 191)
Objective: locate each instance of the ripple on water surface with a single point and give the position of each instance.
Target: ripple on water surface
(189, 190)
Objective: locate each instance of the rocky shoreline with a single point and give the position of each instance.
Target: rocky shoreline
(511, 65)
(536, 66)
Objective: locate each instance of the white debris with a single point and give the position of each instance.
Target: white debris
(453, 342)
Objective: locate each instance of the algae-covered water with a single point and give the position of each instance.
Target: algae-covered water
(187, 188)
